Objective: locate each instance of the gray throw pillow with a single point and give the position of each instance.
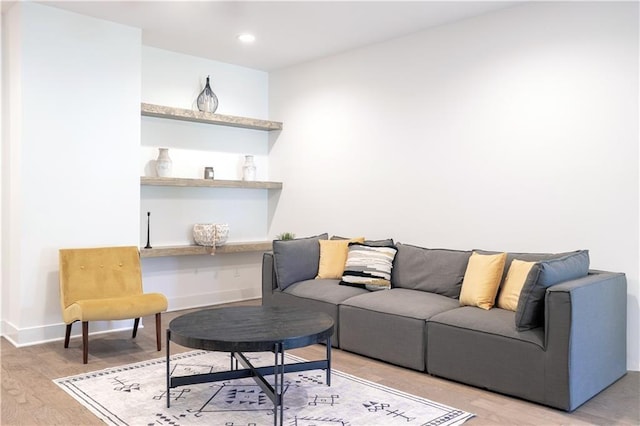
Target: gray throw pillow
(439, 271)
(296, 260)
(530, 312)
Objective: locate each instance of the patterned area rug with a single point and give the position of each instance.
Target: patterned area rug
(135, 394)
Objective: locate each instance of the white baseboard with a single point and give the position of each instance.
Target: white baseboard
(211, 299)
(21, 337)
(55, 332)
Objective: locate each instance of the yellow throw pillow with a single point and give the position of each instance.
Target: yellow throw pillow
(482, 279)
(513, 283)
(516, 277)
(333, 256)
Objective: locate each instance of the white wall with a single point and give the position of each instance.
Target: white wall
(175, 80)
(70, 174)
(74, 147)
(516, 130)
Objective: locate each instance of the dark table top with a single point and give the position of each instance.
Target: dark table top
(250, 328)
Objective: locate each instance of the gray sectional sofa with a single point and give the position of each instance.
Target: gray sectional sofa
(576, 351)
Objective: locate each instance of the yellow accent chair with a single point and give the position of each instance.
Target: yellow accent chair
(105, 284)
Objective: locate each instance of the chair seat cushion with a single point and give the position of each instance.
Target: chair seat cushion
(115, 308)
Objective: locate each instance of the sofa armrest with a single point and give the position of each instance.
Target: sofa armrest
(269, 280)
(585, 332)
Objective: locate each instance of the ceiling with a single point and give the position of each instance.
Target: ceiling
(287, 32)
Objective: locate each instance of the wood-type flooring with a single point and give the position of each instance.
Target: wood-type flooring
(29, 397)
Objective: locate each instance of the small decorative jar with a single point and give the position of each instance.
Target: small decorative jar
(249, 168)
(164, 165)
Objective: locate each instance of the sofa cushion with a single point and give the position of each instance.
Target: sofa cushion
(527, 257)
(296, 260)
(437, 271)
(482, 348)
(530, 312)
(368, 266)
(333, 256)
(390, 325)
(482, 279)
(329, 291)
(519, 273)
(496, 322)
(375, 243)
(403, 302)
(380, 243)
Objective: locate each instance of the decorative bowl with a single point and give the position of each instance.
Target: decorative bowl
(222, 233)
(211, 234)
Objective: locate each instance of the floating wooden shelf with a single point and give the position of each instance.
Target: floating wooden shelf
(151, 110)
(209, 183)
(192, 250)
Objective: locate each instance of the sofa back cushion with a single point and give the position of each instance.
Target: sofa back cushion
(372, 243)
(526, 257)
(296, 260)
(439, 271)
(530, 312)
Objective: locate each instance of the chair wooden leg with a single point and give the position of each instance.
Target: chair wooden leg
(158, 334)
(85, 342)
(67, 335)
(135, 327)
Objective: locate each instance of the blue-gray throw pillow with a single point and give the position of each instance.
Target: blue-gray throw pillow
(530, 312)
(297, 259)
(439, 271)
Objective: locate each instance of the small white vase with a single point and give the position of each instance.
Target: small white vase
(164, 165)
(249, 168)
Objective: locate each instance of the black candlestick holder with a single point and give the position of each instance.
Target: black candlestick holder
(148, 246)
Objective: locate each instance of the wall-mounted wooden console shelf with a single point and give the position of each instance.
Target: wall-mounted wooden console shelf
(151, 110)
(192, 250)
(208, 183)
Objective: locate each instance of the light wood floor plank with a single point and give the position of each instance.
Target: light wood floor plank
(29, 397)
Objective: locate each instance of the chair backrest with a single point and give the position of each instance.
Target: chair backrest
(97, 273)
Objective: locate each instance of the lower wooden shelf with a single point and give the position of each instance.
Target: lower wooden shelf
(192, 250)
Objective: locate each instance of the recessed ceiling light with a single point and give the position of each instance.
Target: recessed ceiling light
(247, 38)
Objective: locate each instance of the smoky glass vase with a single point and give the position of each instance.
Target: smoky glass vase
(207, 100)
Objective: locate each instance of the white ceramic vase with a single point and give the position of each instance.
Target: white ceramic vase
(164, 165)
(249, 168)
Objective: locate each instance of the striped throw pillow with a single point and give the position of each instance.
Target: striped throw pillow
(369, 267)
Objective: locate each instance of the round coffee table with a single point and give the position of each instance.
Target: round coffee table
(252, 329)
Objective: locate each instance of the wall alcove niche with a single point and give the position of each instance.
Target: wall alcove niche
(182, 188)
